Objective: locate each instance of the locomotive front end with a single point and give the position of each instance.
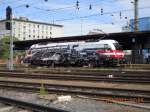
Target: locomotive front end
(112, 54)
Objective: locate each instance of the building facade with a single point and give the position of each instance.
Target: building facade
(143, 25)
(24, 29)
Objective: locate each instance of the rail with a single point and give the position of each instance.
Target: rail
(30, 106)
(112, 77)
(81, 90)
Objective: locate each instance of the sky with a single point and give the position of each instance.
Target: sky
(78, 21)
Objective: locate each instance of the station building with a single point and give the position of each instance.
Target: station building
(143, 26)
(25, 29)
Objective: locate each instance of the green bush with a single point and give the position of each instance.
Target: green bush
(4, 48)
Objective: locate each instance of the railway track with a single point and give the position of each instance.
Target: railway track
(106, 77)
(26, 106)
(81, 90)
(80, 71)
(76, 89)
(85, 72)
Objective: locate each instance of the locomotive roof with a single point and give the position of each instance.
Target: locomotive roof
(72, 43)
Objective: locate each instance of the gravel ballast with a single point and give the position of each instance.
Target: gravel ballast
(76, 104)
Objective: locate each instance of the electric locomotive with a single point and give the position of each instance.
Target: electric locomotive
(93, 53)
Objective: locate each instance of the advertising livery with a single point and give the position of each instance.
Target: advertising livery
(95, 53)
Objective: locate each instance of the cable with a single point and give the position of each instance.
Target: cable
(48, 10)
(54, 9)
(51, 10)
(98, 14)
(72, 18)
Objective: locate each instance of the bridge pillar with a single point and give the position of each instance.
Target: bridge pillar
(137, 55)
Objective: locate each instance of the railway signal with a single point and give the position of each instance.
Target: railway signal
(102, 11)
(90, 7)
(27, 6)
(8, 18)
(77, 5)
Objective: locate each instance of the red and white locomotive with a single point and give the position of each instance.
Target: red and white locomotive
(101, 52)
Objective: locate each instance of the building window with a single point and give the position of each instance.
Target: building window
(50, 34)
(38, 26)
(29, 35)
(50, 28)
(24, 38)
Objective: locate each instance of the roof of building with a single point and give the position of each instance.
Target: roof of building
(36, 22)
(141, 18)
(124, 38)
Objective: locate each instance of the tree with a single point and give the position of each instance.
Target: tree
(4, 47)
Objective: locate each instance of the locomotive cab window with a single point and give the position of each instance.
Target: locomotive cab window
(106, 47)
(118, 46)
(75, 46)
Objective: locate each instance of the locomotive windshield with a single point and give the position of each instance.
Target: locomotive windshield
(117, 46)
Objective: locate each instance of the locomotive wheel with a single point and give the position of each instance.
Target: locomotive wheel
(49, 63)
(33, 63)
(91, 64)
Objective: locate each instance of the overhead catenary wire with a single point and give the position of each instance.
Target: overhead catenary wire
(72, 6)
(57, 9)
(30, 5)
(98, 14)
(43, 9)
(51, 10)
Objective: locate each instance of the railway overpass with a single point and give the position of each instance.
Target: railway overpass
(140, 40)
